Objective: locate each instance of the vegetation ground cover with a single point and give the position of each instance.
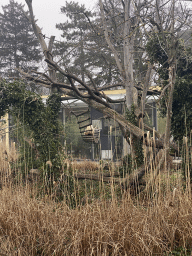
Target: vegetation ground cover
(157, 222)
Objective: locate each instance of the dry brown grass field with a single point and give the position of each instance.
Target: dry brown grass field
(156, 222)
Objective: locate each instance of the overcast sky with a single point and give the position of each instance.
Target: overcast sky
(48, 13)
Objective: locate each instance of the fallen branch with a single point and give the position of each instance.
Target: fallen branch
(105, 177)
(130, 181)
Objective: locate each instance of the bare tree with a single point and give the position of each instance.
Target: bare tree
(88, 91)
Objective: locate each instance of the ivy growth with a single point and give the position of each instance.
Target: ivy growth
(40, 121)
(138, 149)
(181, 123)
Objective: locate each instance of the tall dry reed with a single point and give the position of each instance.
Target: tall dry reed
(156, 222)
(32, 226)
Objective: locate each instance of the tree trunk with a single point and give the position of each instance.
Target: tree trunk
(172, 77)
(128, 56)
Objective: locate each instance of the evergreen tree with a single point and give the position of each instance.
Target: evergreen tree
(74, 30)
(84, 48)
(18, 44)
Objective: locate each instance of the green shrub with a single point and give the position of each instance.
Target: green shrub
(38, 126)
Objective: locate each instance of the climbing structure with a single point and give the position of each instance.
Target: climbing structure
(88, 132)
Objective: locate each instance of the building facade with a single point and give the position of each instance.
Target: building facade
(93, 124)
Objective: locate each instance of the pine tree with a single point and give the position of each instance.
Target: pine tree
(83, 47)
(18, 44)
(74, 31)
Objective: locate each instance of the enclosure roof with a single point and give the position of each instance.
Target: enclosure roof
(113, 94)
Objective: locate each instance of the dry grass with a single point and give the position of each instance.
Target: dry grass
(30, 226)
(6, 156)
(83, 166)
(153, 224)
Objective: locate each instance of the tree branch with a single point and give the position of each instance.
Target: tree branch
(37, 29)
(71, 76)
(105, 177)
